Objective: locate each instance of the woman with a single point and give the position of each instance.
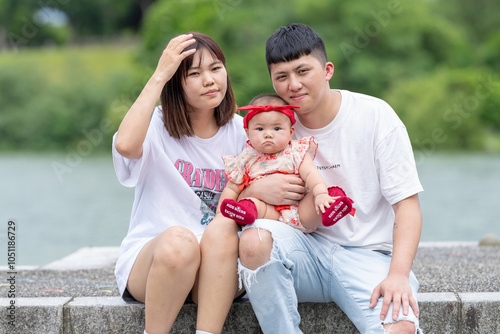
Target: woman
(173, 158)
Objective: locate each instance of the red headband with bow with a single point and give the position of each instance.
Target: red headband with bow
(254, 110)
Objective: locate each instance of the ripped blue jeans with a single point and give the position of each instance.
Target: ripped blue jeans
(309, 268)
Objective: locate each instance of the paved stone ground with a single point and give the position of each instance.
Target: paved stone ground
(458, 269)
(63, 283)
(439, 268)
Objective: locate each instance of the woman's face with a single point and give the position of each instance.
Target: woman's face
(206, 82)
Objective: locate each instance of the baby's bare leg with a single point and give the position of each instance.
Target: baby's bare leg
(246, 210)
(264, 210)
(307, 212)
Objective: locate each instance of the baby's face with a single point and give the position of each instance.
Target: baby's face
(270, 132)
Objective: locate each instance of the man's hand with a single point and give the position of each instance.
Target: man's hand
(277, 189)
(395, 289)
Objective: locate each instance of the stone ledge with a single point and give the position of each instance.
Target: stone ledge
(34, 315)
(441, 313)
(458, 294)
(480, 312)
(86, 258)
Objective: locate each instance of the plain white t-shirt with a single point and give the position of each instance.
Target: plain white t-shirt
(177, 182)
(366, 151)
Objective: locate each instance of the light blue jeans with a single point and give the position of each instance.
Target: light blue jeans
(309, 268)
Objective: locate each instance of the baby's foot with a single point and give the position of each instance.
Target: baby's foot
(339, 209)
(243, 212)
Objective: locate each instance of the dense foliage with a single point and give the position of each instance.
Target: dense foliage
(435, 62)
(51, 99)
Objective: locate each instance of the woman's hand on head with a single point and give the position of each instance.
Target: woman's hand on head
(172, 56)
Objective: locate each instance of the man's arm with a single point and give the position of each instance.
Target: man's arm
(396, 287)
(277, 189)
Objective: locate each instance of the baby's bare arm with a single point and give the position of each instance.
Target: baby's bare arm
(316, 184)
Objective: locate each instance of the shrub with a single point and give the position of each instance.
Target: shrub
(50, 100)
(446, 109)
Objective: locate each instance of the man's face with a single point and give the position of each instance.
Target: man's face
(302, 81)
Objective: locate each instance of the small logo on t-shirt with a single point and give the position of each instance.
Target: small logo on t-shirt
(328, 167)
(207, 197)
(208, 212)
(206, 219)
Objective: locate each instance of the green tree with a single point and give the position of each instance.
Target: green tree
(480, 17)
(445, 109)
(96, 18)
(53, 106)
(424, 57)
(371, 43)
(481, 27)
(27, 23)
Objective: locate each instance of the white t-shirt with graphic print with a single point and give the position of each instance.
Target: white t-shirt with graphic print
(366, 151)
(177, 182)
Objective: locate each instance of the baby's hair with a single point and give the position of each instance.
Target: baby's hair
(267, 99)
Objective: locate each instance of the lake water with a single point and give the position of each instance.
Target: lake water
(61, 203)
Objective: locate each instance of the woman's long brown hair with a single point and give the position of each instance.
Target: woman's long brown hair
(173, 102)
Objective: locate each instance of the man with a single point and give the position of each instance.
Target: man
(362, 263)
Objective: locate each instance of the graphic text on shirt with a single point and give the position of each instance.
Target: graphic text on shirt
(210, 179)
(207, 185)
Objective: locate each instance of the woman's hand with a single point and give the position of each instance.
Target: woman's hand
(172, 56)
(277, 189)
(134, 126)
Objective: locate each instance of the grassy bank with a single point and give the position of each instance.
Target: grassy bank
(50, 97)
(53, 97)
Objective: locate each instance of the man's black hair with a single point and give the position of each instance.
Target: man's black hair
(292, 42)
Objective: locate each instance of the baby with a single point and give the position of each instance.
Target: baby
(270, 149)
